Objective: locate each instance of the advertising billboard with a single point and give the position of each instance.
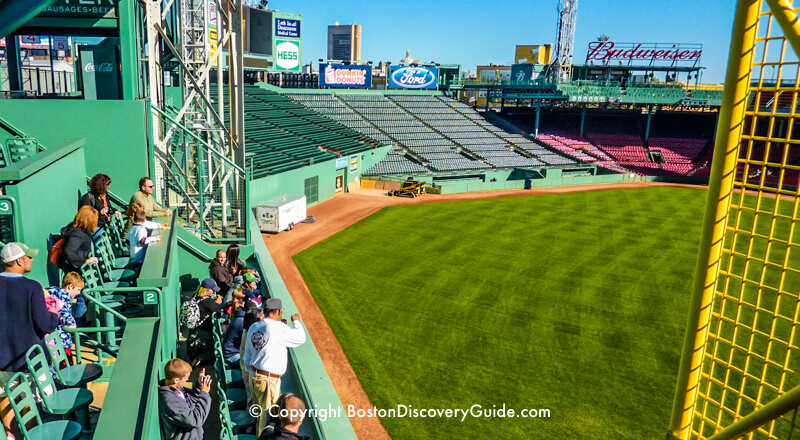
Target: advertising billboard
(409, 77)
(651, 53)
(285, 27)
(526, 73)
(99, 71)
(340, 75)
(81, 9)
(287, 55)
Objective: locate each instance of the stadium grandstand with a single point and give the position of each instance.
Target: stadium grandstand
(187, 169)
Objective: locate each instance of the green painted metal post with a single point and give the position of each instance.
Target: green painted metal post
(538, 110)
(14, 63)
(128, 44)
(647, 130)
(248, 208)
(720, 187)
(200, 189)
(583, 118)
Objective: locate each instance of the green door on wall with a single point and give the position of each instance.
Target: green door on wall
(312, 190)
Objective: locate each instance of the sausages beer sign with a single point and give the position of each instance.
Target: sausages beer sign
(651, 53)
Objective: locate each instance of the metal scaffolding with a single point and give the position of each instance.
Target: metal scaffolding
(198, 157)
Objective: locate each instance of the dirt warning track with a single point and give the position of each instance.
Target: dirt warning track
(331, 217)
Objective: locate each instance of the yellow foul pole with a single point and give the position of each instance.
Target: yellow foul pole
(723, 171)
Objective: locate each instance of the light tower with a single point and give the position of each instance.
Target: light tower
(561, 66)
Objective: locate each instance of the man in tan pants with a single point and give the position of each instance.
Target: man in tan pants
(266, 354)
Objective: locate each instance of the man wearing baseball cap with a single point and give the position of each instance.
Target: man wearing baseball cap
(24, 319)
(266, 355)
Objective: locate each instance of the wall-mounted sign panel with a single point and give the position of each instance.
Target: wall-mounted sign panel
(81, 9)
(287, 55)
(340, 75)
(354, 163)
(100, 71)
(285, 27)
(408, 77)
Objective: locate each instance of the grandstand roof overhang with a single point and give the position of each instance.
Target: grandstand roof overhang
(15, 13)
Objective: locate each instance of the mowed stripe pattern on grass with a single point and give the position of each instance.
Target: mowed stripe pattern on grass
(574, 302)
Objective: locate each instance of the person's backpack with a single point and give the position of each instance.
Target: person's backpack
(190, 314)
(55, 253)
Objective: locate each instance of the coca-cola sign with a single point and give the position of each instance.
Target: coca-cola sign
(605, 51)
(103, 67)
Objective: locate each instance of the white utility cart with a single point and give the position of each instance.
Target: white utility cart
(281, 213)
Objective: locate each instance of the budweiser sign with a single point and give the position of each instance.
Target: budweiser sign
(605, 51)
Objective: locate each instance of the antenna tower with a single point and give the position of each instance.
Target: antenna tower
(561, 67)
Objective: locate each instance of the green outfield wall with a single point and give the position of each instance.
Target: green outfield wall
(553, 179)
(325, 173)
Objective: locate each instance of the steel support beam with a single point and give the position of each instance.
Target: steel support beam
(236, 81)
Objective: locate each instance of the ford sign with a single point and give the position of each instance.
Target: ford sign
(413, 77)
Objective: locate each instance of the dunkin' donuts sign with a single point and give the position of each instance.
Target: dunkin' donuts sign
(340, 75)
(605, 51)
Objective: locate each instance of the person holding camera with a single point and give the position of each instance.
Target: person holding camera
(183, 411)
(266, 354)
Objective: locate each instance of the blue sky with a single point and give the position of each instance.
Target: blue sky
(479, 33)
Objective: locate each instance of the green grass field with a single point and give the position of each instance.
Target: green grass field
(571, 302)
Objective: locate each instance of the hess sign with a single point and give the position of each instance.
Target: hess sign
(605, 51)
(287, 55)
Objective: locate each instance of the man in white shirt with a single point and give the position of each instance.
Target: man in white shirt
(266, 355)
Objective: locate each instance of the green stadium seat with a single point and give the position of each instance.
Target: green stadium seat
(21, 148)
(77, 375)
(26, 411)
(57, 402)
